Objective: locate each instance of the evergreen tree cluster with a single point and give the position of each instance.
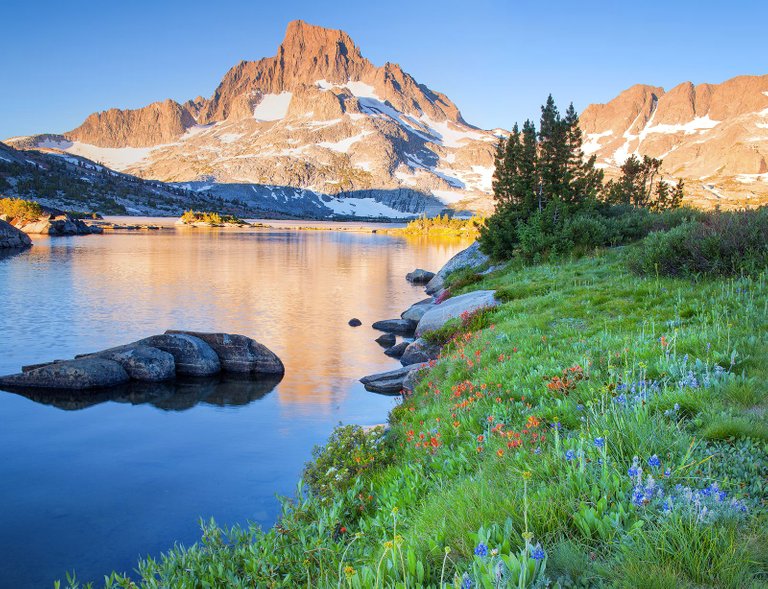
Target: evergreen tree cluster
(550, 198)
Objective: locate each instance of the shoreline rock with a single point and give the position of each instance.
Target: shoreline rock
(12, 237)
(390, 382)
(419, 351)
(55, 222)
(452, 308)
(471, 257)
(399, 326)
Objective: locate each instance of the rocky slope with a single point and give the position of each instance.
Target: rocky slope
(69, 182)
(316, 130)
(714, 136)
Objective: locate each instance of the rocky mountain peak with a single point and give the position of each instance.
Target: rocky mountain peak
(309, 52)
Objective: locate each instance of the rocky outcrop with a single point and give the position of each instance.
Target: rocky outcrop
(141, 363)
(55, 222)
(471, 257)
(153, 361)
(238, 353)
(419, 351)
(419, 276)
(399, 326)
(193, 356)
(13, 238)
(82, 374)
(454, 307)
(389, 383)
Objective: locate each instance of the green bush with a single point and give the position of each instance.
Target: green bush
(720, 244)
(350, 452)
(17, 208)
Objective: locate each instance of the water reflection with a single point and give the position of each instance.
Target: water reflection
(178, 395)
(133, 470)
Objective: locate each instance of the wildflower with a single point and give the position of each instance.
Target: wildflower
(654, 461)
(480, 438)
(569, 455)
(349, 572)
(667, 473)
(466, 583)
(342, 530)
(600, 442)
(499, 452)
(634, 470)
(481, 550)
(537, 552)
(495, 552)
(479, 449)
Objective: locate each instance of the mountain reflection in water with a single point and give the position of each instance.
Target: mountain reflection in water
(90, 482)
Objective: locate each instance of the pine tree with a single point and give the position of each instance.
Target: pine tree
(527, 184)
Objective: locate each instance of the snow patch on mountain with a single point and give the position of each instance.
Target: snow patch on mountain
(273, 107)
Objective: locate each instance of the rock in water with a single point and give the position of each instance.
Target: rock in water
(419, 276)
(193, 356)
(10, 237)
(451, 308)
(397, 350)
(389, 383)
(401, 326)
(82, 374)
(142, 363)
(419, 351)
(238, 353)
(386, 340)
(471, 257)
(354, 322)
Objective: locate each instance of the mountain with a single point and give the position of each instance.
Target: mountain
(714, 136)
(316, 130)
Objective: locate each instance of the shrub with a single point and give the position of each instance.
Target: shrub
(350, 452)
(17, 208)
(720, 244)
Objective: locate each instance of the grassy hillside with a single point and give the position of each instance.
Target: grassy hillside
(597, 430)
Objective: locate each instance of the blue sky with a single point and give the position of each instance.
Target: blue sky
(496, 59)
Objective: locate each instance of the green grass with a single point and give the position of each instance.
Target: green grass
(585, 366)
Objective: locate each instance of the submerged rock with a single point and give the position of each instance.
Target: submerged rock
(419, 276)
(81, 374)
(389, 383)
(238, 353)
(401, 326)
(142, 363)
(452, 308)
(471, 257)
(193, 356)
(419, 351)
